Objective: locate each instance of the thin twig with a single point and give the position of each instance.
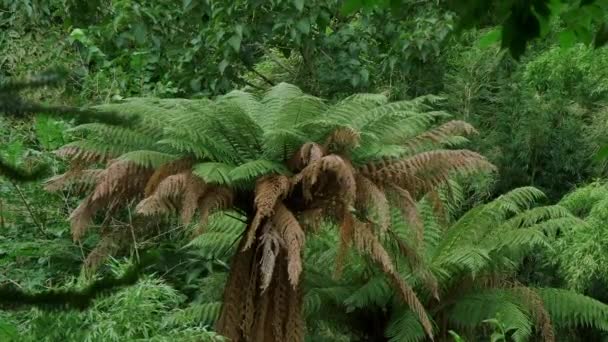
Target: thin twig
(260, 75)
(133, 233)
(38, 224)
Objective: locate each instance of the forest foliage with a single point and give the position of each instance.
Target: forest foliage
(206, 131)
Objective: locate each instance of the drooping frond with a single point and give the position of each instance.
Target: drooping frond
(221, 236)
(292, 237)
(165, 197)
(164, 171)
(268, 191)
(535, 305)
(441, 134)
(214, 199)
(570, 309)
(404, 326)
(118, 183)
(270, 245)
(367, 243)
(370, 196)
(81, 180)
(426, 170)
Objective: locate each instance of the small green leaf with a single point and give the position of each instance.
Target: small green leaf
(299, 4)
(602, 154)
(223, 65)
(490, 38)
(8, 332)
(303, 25)
(235, 42)
(601, 36)
(351, 6)
(567, 39)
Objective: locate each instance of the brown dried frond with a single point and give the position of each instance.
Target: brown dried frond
(430, 167)
(194, 189)
(268, 191)
(82, 216)
(441, 133)
(80, 180)
(270, 244)
(308, 153)
(438, 206)
(311, 219)
(109, 244)
(166, 170)
(163, 199)
(347, 226)
(292, 236)
(367, 242)
(295, 325)
(342, 139)
(234, 298)
(407, 205)
(534, 302)
(121, 177)
(416, 264)
(215, 198)
(84, 157)
(369, 195)
(317, 178)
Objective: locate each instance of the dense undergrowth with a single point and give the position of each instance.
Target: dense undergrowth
(519, 252)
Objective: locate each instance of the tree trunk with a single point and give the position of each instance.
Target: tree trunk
(249, 315)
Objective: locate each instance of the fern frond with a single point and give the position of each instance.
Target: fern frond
(214, 173)
(404, 326)
(375, 292)
(268, 191)
(570, 309)
(214, 245)
(254, 169)
(148, 159)
(205, 313)
(292, 238)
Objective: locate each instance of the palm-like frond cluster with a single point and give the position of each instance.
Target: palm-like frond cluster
(464, 273)
(285, 162)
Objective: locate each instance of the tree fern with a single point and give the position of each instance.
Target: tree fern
(274, 158)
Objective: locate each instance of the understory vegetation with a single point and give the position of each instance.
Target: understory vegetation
(294, 170)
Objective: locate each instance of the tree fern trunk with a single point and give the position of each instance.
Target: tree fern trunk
(249, 315)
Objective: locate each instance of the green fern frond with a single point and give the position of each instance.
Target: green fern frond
(205, 313)
(571, 309)
(517, 239)
(115, 134)
(536, 215)
(214, 245)
(214, 173)
(581, 200)
(226, 222)
(375, 292)
(404, 326)
(517, 200)
(254, 169)
(151, 159)
(471, 310)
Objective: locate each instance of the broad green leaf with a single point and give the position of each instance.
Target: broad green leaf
(223, 65)
(567, 39)
(235, 42)
(299, 4)
(490, 38)
(8, 332)
(303, 25)
(602, 154)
